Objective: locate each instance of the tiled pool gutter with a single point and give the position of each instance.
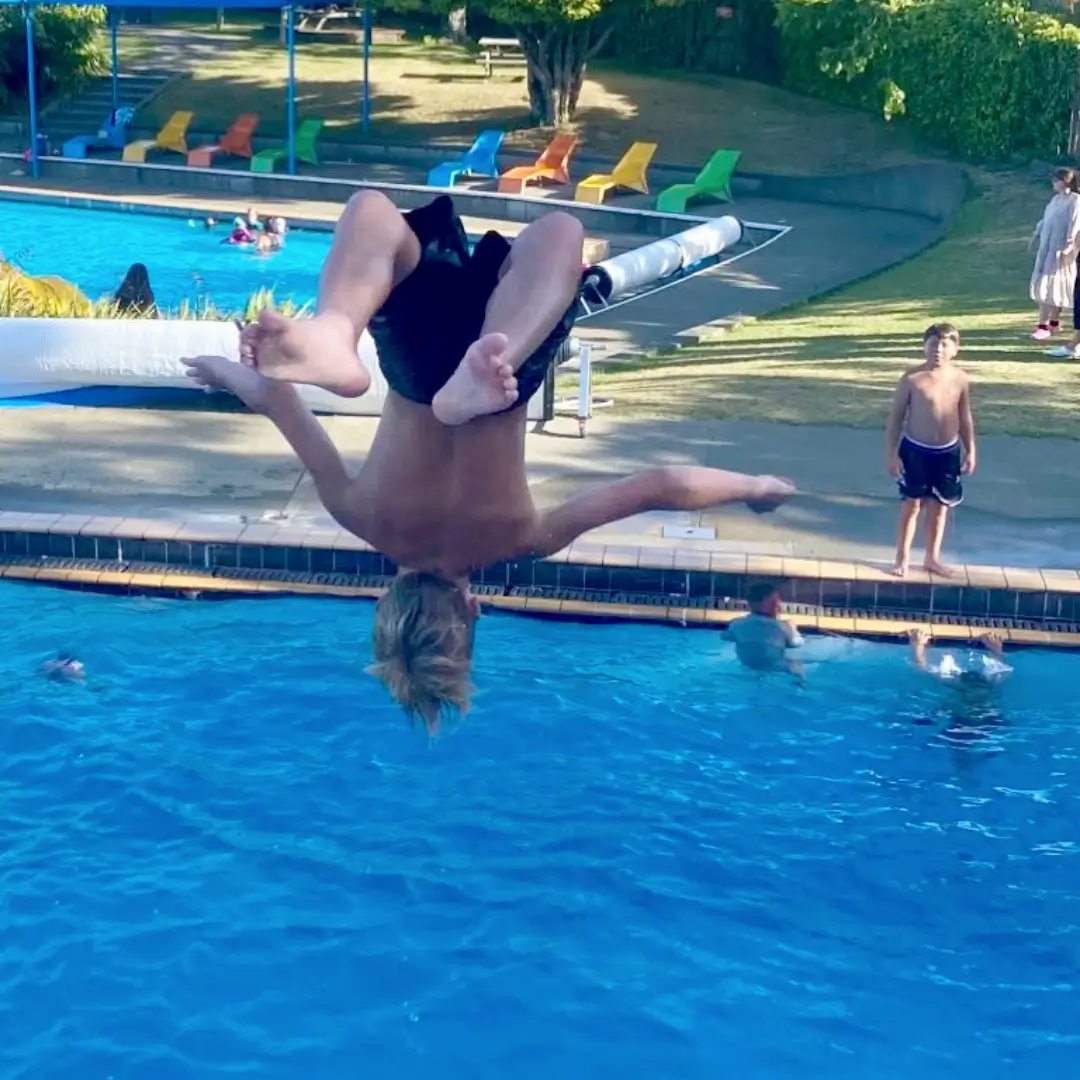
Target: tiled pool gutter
(683, 586)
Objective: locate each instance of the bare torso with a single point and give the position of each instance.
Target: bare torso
(933, 413)
(449, 499)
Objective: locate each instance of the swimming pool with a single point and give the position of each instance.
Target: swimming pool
(94, 248)
(225, 855)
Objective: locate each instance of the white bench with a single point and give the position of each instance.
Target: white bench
(321, 16)
(500, 52)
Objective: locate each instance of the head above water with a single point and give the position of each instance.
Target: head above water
(941, 343)
(423, 645)
(65, 666)
(763, 598)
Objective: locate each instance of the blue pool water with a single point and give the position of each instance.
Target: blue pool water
(225, 856)
(94, 248)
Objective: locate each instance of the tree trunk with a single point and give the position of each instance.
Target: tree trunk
(457, 23)
(556, 58)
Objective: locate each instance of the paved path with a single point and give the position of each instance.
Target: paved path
(1021, 508)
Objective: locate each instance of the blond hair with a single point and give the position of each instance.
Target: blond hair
(423, 644)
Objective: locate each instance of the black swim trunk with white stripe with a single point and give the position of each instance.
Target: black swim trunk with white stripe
(434, 315)
(931, 472)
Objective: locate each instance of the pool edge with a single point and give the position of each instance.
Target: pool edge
(588, 581)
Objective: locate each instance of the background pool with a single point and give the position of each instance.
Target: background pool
(94, 248)
(225, 855)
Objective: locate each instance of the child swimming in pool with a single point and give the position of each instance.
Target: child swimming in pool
(975, 710)
(64, 667)
(465, 340)
(930, 444)
(764, 641)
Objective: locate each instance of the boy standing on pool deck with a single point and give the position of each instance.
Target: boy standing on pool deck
(464, 340)
(930, 444)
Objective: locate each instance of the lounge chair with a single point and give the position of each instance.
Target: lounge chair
(172, 137)
(478, 160)
(111, 136)
(552, 164)
(307, 135)
(631, 172)
(235, 141)
(713, 182)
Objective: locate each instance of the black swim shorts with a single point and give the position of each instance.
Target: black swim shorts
(434, 315)
(931, 472)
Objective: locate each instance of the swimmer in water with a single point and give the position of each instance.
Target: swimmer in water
(465, 339)
(764, 641)
(976, 708)
(64, 667)
(273, 239)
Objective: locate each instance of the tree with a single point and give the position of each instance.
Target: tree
(68, 49)
(558, 37)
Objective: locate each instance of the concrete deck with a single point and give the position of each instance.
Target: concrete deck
(233, 468)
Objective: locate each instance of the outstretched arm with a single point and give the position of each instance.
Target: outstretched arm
(281, 403)
(688, 487)
(919, 639)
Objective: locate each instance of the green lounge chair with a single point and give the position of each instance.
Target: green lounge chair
(307, 135)
(713, 182)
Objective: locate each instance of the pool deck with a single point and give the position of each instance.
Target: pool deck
(228, 482)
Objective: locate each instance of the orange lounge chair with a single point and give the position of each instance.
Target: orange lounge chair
(235, 141)
(552, 164)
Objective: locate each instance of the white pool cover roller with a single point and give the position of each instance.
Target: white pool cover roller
(632, 270)
(40, 356)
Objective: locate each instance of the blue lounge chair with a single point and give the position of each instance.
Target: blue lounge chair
(112, 136)
(479, 160)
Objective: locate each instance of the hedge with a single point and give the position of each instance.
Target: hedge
(986, 78)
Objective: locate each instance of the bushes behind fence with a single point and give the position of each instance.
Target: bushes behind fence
(986, 78)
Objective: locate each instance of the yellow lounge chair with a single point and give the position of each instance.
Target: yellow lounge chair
(173, 136)
(631, 172)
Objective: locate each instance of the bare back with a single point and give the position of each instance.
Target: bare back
(934, 400)
(449, 499)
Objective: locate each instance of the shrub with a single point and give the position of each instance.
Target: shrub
(986, 78)
(69, 48)
(19, 301)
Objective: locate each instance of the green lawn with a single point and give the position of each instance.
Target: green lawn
(836, 360)
(437, 93)
(831, 361)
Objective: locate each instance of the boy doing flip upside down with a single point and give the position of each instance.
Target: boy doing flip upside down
(464, 340)
(930, 444)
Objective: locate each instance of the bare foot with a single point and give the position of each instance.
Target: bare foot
(320, 351)
(773, 491)
(919, 635)
(935, 566)
(483, 383)
(898, 569)
(993, 642)
(217, 373)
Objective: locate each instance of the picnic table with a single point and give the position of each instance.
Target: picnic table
(320, 16)
(500, 52)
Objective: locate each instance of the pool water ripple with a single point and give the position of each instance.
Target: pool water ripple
(226, 855)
